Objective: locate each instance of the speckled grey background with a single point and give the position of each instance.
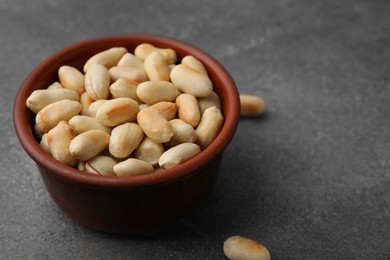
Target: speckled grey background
(310, 179)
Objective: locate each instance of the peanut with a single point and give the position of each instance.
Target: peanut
(182, 133)
(169, 109)
(97, 82)
(129, 73)
(237, 247)
(132, 167)
(187, 109)
(251, 105)
(209, 126)
(124, 139)
(85, 102)
(117, 111)
(101, 165)
(149, 151)
(194, 63)
(191, 81)
(43, 97)
(155, 125)
(178, 154)
(152, 92)
(83, 124)
(71, 78)
(124, 88)
(157, 67)
(144, 49)
(59, 139)
(55, 112)
(209, 101)
(107, 58)
(89, 144)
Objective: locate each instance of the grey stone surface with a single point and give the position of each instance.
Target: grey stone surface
(310, 179)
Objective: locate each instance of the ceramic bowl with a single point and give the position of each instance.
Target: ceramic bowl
(127, 204)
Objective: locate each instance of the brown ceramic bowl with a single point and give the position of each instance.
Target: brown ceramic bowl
(126, 204)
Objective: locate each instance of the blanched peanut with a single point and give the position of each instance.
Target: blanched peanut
(83, 124)
(149, 151)
(152, 92)
(155, 125)
(59, 139)
(38, 131)
(94, 106)
(97, 82)
(71, 78)
(169, 109)
(89, 144)
(85, 102)
(182, 133)
(124, 88)
(194, 63)
(45, 144)
(124, 139)
(157, 67)
(130, 60)
(191, 81)
(101, 165)
(132, 167)
(237, 247)
(178, 154)
(55, 112)
(187, 109)
(251, 105)
(117, 111)
(209, 126)
(129, 73)
(43, 97)
(144, 49)
(55, 85)
(107, 58)
(209, 101)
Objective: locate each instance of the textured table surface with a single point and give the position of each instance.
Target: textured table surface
(310, 179)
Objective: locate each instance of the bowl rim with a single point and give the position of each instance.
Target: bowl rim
(26, 136)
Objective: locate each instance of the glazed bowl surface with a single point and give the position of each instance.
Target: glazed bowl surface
(129, 204)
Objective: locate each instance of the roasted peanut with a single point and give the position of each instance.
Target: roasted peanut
(97, 82)
(45, 144)
(251, 105)
(85, 102)
(55, 85)
(71, 78)
(55, 112)
(94, 106)
(124, 88)
(157, 67)
(101, 165)
(178, 154)
(187, 109)
(194, 63)
(152, 92)
(169, 109)
(129, 73)
(43, 97)
(237, 247)
(149, 151)
(209, 126)
(132, 167)
(82, 124)
(182, 133)
(155, 125)
(124, 139)
(89, 144)
(117, 111)
(107, 58)
(59, 139)
(130, 60)
(144, 49)
(209, 101)
(191, 81)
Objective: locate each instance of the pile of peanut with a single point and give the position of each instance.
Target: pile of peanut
(128, 113)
